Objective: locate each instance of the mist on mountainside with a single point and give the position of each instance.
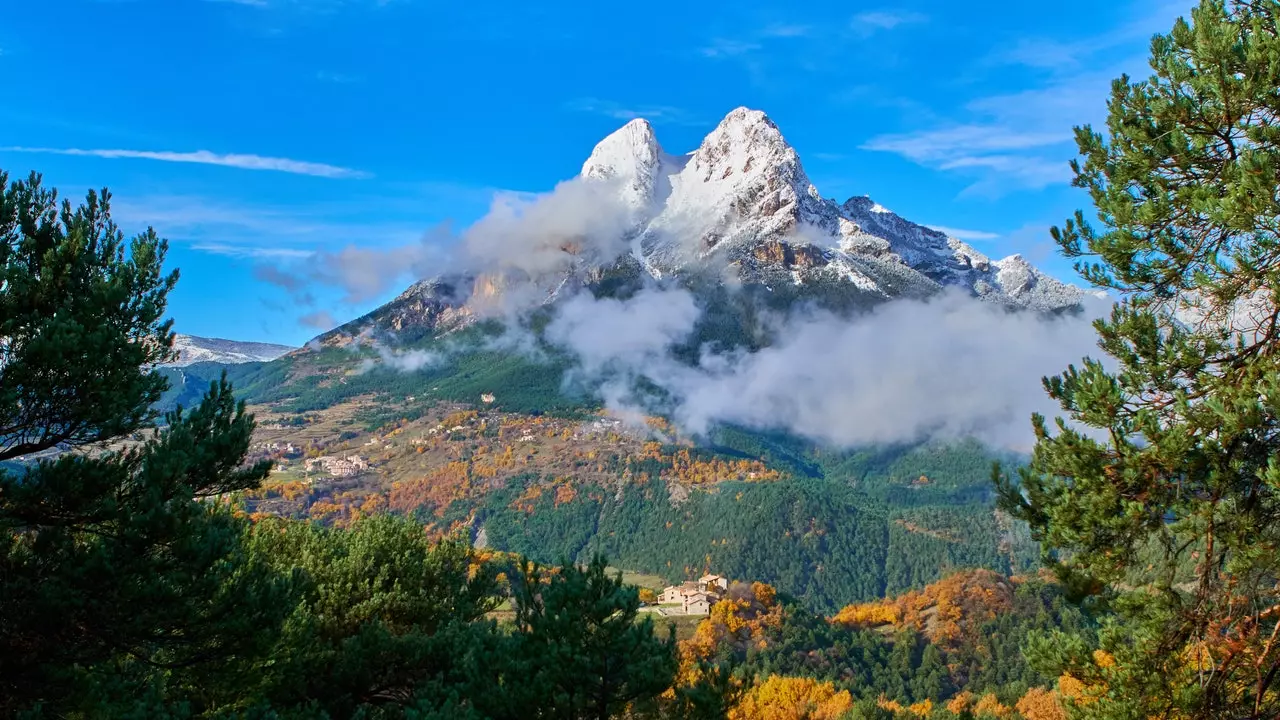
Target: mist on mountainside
(939, 342)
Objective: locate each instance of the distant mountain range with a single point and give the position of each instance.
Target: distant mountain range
(192, 349)
(739, 209)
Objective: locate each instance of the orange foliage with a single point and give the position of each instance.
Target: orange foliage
(923, 709)
(461, 417)
(439, 488)
(565, 493)
(738, 621)
(989, 706)
(792, 698)
(885, 703)
(960, 703)
(694, 471)
(947, 612)
(1040, 704)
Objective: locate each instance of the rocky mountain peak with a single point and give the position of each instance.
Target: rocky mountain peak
(741, 203)
(632, 157)
(743, 184)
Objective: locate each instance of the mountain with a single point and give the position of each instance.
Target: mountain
(652, 284)
(192, 349)
(737, 209)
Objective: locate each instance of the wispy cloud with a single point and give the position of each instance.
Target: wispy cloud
(240, 251)
(1005, 142)
(786, 30)
(962, 234)
(297, 234)
(720, 48)
(205, 157)
(874, 20)
(319, 320)
(953, 146)
(1062, 58)
(618, 111)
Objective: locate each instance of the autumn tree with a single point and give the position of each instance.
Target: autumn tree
(1157, 496)
(793, 698)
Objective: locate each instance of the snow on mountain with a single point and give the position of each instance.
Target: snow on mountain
(740, 203)
(744, 193)
(192, 349)
(633, 157)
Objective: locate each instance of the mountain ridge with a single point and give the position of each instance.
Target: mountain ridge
(193, 349)
(739, 208)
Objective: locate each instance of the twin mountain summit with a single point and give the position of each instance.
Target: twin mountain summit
(737, 212)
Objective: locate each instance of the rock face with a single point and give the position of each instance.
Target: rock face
(740, 204)
(192, 349)
(426, 307)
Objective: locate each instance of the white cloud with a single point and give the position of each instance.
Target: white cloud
(205, 157)
(962, 234)
(786, 30)
(1024, 140)
(944, 368)
(963, 141)
(886, 19)
(726, 48)
(617, 111)
(1020, 140)
(250, 252)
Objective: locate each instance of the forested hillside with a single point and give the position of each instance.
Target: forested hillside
(425, 531)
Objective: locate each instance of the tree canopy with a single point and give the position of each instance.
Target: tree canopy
(1157, 494)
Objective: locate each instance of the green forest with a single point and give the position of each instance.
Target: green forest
(1127, 569)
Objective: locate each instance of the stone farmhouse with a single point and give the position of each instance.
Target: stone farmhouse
(696, 596)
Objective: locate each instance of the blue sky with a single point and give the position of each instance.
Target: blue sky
(253, 132)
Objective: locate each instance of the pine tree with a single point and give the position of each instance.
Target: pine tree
(80, 321)
(1158, 496)
(585, 654)
(123, 583)
(386, 619)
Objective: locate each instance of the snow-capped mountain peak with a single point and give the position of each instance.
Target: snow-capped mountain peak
(632, 157)
(744, 183)
(192, 349)
(744, 188)
(740, 204)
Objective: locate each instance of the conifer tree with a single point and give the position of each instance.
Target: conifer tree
(1159, 494)
(123, 585)
(585, 653)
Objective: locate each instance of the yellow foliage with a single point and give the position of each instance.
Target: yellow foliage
(791, 698)
(960, 703)
(988, 706)
(1040, 704)
(960, 604)
(923, 709)
(885, 703)
(765, 594)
